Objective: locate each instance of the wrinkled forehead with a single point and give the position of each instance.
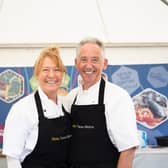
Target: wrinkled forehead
(90, 49)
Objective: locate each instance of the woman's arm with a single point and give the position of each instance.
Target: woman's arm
(13, 163)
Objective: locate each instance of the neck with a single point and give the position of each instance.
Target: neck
(53, 98)
(86, 86)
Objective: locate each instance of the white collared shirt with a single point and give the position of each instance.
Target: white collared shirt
(21, 125)
(119, 112)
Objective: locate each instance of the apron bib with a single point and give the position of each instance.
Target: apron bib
(51, 150)
(91, 146)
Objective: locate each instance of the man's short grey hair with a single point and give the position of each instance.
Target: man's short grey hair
(93, 41)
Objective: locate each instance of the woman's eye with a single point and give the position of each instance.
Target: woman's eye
(45, 69)
(50, 69)
(56, 69)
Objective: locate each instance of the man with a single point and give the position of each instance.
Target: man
(104, 132)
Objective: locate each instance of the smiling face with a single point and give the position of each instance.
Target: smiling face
(49, 71)
(49, 77)
(90, 63)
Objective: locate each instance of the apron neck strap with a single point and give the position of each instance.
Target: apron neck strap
(38, 104)
(101, 92)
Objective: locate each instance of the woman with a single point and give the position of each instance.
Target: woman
(37, 131)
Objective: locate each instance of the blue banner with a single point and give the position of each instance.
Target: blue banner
(147, 84)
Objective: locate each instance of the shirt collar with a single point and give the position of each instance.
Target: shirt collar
(42, 95)
(51, 109)
(90, 89)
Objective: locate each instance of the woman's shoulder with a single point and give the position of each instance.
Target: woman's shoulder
(25, 102)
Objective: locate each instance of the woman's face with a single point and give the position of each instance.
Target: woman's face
(49, 77)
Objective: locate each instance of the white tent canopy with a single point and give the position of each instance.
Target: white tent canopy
(38, 21)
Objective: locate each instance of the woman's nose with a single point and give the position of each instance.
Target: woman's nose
(51, 72)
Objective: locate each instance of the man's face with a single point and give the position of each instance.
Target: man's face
(90, 63)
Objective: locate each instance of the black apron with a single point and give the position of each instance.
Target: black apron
(91, 146)
(51, 150)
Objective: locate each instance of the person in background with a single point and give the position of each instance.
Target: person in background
(37, 130)
(104, 130)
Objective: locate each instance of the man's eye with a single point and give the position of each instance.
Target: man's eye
(95, 60)
(83, 59)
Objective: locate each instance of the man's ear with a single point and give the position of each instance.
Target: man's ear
(105, 63)
(76, 63)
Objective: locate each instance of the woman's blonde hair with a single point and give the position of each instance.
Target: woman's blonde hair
(54, 55)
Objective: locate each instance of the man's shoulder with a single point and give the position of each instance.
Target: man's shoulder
(73, 91)
(114, 88)
(69, 98)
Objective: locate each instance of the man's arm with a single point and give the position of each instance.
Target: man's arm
(126, 158)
